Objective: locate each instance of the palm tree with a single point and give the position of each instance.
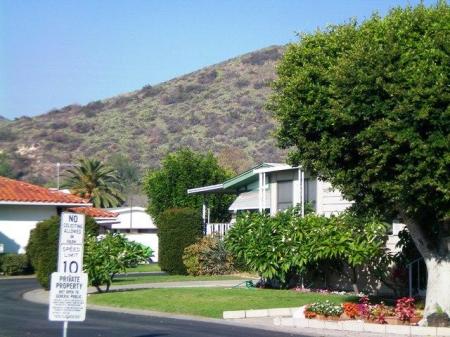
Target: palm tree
(93, 180)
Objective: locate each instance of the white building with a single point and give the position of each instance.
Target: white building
(271, 187)
(137, 225)
(23, 205)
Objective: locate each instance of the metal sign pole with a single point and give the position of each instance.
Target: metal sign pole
(66, 323)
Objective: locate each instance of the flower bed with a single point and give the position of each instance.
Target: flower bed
(404, 311)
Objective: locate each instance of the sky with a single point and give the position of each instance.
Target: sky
(58, 52)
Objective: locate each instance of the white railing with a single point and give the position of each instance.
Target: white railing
(218, 228)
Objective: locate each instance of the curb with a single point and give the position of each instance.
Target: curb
(361, 326)
(277, 312)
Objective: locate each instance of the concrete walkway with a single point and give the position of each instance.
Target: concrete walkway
(266, 323)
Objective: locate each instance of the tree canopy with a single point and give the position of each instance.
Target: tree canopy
(93, 180)
(167, 187)
(366, 107)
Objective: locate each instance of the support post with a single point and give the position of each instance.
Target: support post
(264, 192)
(204, 217)
(65, 326)
(410, 279)
(302, 191)
(260, 191)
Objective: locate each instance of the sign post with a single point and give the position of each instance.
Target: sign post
(68, 290)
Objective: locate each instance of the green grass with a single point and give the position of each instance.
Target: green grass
(210, 302)
(144, 268)
(172, 278)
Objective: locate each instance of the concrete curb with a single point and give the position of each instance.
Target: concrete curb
(277, 312)
(361, 326)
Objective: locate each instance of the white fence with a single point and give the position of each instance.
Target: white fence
(218, 228)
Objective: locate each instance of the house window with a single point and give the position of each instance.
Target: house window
(285, 194)
(311, 191)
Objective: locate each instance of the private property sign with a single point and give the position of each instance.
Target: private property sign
(68, 294)
(68, 291)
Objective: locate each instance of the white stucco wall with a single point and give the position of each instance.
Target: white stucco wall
(16, 222)
(134, 220)
(147, 239)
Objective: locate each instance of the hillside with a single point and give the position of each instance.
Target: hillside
(216, 108)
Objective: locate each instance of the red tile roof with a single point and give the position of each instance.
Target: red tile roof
(20, 191)
(93, 212)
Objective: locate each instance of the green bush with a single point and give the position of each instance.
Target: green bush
(208, 256)
(104, 258)
(281, 247)
(178, 228)
(42, 249)
(15, 264)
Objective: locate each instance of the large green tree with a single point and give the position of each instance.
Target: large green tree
(366, 107)
(93, 180)
(167, 187)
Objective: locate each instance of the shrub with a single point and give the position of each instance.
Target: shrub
(405, 308)
(112, 254)
(261, 57)
(208, 256)
(42, 249)
(15, 264)
(178, 228)
(6, 134)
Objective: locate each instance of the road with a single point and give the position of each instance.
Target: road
(20, 318)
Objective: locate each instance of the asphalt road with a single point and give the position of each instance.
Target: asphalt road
(20, 318)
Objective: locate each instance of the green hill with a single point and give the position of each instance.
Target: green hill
(218, 108)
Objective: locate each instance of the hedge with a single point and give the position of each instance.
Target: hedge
(15, 264)
(42, 249)
(178, 228)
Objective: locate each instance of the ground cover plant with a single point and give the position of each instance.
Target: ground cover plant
(210, 302)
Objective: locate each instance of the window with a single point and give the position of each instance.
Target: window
(285, 194)
(311, 191)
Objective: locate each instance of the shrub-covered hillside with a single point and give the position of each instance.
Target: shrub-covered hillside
(218, 108)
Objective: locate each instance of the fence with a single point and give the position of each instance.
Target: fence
(217, 228)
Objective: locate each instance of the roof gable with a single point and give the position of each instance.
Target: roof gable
(245, 178)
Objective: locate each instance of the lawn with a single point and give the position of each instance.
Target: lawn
(144, 268)
(173, 278)
(210, 302)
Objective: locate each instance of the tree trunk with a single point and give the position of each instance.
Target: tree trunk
(355, 280)
(437, 260)
(438, 285)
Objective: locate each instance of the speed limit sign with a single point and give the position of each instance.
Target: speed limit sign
(71, 243)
